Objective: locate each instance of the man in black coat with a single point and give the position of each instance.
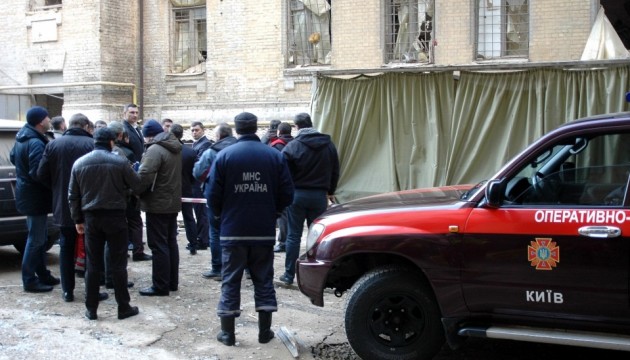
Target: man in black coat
(97, 196)
(136, 144)
(54, 172)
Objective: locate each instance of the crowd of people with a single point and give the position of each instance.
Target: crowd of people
(242, 197)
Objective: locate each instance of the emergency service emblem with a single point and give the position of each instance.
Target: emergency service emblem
(543, 254)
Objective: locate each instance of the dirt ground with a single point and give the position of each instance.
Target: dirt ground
(184, 324)
(180, 326)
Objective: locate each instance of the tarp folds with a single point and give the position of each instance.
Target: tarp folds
(604, 43)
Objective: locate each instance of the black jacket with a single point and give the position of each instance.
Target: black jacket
(313, 161)
(31, 196)
(188, 162)
(100, 180)
(56, 166)
(136, 141)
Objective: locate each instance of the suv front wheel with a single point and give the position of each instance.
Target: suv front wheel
(391, 313)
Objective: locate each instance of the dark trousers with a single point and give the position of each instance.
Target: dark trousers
(201, 217)
(283, 223)
(190, 225)
(67, 247)
(162, 240)
(106, 228)
(134, 222)
(259, 260)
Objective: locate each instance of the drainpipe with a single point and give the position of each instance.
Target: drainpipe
(140, 64)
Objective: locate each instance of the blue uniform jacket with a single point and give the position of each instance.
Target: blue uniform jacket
(250, 185)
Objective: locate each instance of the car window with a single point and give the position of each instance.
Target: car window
(581, 171)
(7, 139)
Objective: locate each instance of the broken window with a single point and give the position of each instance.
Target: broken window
(409, 31)
(190, 48)
(42, 4)
(308, 38)
(618, 13)
(502, 29)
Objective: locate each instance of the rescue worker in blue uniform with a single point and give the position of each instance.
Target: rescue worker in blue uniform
(250, 185)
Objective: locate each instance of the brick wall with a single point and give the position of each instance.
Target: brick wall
(245, 71)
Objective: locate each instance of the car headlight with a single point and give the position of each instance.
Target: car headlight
(314, 232)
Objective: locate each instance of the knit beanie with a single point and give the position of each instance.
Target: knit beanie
(35, 115)
(245, 123)
(151, 128)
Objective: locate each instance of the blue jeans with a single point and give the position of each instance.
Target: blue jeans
(307, 205)
(215, 243)
(34, 259)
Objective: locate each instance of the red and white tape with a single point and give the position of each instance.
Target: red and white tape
(194, 200)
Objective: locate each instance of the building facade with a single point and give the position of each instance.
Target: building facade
(198, 60)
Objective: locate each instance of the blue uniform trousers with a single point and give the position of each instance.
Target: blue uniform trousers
(259, 260)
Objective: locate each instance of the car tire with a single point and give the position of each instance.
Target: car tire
(391, 313)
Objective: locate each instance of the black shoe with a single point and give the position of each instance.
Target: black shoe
(141, 257)
(286, 280)
(38, 287)
(193, 251)
(151, 291)
(91, 314)
(50, 280)
(202, 247)
(103, 296)
(132, 311)
(173, 288)
(68, 296)
(212, 274)
(109, 285)
(280, 248)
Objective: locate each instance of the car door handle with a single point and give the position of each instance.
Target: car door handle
(600, 231)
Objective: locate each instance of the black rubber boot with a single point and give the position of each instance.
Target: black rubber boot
(226, 336)
(265, 334)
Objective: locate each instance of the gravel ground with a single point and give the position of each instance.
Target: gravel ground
(184, 325)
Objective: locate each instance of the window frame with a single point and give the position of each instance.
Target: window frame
(315, 37)
(415, 49)
(487, 50)
(194, 16)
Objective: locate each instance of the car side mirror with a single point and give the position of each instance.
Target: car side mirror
(494, 193)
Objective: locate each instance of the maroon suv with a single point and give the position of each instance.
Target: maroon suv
(539, 252)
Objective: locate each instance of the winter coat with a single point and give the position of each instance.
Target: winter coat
(161, 175)
(280, 142)
(250, 185)
(313, 161)
(203, 165)
(31, 196)
(100, 180)
(56, 166)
